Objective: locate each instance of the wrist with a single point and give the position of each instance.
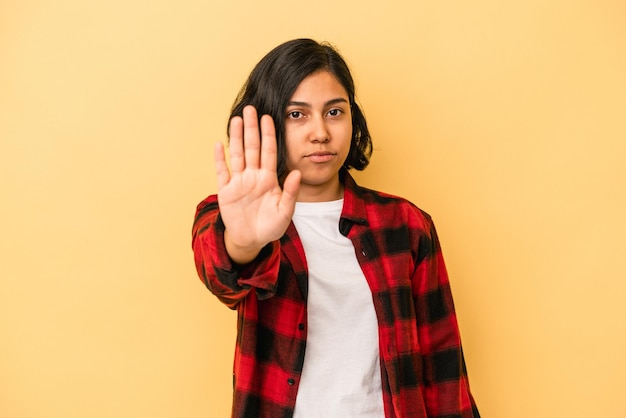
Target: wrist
(241, 254)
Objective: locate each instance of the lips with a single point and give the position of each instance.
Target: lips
(320, 156)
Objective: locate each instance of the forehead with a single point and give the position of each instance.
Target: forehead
(320, 83)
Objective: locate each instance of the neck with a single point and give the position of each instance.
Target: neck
(316, 194)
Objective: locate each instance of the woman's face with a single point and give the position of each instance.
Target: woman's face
(318, 132)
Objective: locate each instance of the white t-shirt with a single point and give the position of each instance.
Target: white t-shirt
(341, 373)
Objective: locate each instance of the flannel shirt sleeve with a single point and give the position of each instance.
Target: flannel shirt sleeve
(224, 278)
(446, 385)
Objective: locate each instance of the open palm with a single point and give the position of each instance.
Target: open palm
(254, 208)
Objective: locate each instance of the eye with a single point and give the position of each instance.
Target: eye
(335, 112)
(294, 114)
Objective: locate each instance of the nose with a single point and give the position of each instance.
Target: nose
(319, 130)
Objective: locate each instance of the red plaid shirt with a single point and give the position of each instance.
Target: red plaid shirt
(422, 365)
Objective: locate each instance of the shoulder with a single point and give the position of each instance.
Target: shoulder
(399, 223)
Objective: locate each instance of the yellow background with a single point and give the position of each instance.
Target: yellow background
(506, 120)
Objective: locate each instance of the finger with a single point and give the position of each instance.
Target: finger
(235, 134)
(221, 169)
(268, 144)
(251, 137)
(289, 196)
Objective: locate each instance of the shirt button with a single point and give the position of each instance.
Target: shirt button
(301, 327)
(364, 253)
(291, 382)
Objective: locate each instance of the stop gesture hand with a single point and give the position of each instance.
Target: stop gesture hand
(254, 208)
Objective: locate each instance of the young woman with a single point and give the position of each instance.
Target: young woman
(344, 305)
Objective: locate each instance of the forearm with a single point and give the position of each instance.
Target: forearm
(229, 280)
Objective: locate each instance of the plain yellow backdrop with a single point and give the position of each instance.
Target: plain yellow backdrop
(505, 120)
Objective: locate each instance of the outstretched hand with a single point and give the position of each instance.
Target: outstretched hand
(254, 208)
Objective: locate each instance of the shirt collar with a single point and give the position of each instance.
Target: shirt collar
(354, 210)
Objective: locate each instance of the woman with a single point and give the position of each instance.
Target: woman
(344, 305)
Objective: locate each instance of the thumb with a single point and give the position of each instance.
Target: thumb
(291, 185)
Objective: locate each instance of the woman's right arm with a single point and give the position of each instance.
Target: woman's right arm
(229, 281)
(236, 233)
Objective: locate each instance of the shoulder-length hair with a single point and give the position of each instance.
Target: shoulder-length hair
(276, 77)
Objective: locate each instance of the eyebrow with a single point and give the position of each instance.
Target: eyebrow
(328, 103)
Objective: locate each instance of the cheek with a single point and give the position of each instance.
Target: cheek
(347, 138)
